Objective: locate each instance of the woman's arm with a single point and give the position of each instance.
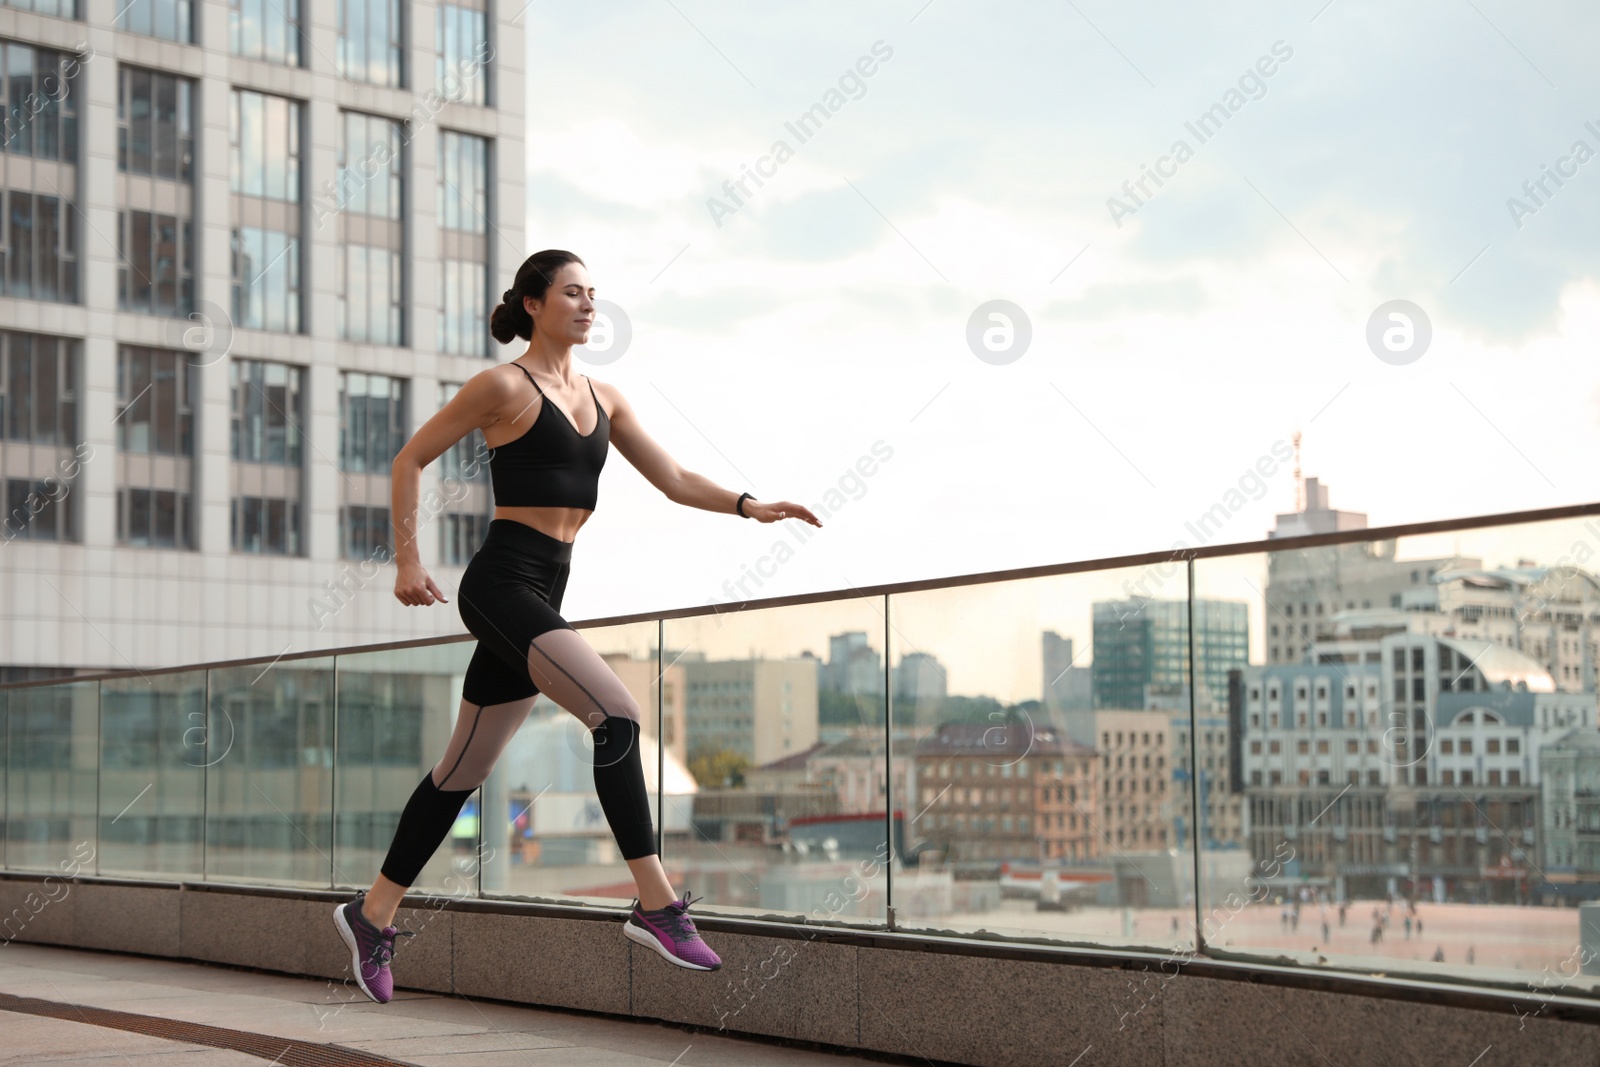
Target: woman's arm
(683, 486)
(475, 405)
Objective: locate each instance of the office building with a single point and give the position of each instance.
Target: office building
(248, 252)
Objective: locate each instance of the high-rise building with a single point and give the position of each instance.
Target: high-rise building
(1064, 685)
(1141, 651)
(246, 255)
(920, 676)
(1307, 587)
(854, 667)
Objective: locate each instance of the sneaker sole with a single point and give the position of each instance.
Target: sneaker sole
(355, 952)
(648, 940)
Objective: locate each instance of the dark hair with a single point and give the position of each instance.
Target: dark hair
(510, 318)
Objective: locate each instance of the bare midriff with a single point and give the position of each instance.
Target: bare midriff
(561, 523)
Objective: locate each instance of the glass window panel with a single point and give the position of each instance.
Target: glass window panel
(269, 783)
(152, 775)
(52, 757)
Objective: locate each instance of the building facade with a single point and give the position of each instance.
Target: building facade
(1141, 650)
(1006, 794)
(245, 258)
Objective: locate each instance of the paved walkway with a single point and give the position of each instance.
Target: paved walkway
(62, 1006)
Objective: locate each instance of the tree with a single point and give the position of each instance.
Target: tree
(719, 768)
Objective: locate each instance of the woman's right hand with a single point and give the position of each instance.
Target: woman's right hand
(413, 587)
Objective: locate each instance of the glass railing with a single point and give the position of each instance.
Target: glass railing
(1376, 755)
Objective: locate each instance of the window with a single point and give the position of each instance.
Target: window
(66, 9)
(172, 19)
(1447, 777)
(155, 433)
(268, 526)
(1303, 747)
(370, 47)
(39, 510)
(265, 29)
(264, 146)
(264, 174)
(1447, 747)
(1274, 747)
(155, 124)
(364, 532)
(38, 389)
(1466, 746)
(463, 197)
(266, 412)
(155, 402)
(39, 432)
(369, 200)
(1352, 747)
(1513, 745)
(1513, 777)
(372, 421)
(1493, 746)
(463, 535)
(266, 279)
(267, 448)
(39, 90)
(155, 270)
(157, 518)
(461, 35)
(37, 246)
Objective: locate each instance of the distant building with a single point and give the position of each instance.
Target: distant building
(1135, 793)
(1063, 683)
(1570, 787)
(854, 667)
(854, 769)
(1305, 589)
(993, 794)
(1408, 763)
(920, 676)
(1141, 650)
(639, 676)
(760, 708)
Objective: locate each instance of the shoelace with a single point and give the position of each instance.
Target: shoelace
(383, 951)
(675, 918)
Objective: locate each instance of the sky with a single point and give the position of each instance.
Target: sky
(1357, 154)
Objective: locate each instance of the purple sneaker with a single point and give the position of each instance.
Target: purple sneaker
(671, 932)
(370, 949)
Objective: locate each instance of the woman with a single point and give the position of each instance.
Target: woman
(545, 474)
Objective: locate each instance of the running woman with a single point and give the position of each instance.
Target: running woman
(545, 474)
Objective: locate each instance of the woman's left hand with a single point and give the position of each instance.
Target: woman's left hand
(783, 509)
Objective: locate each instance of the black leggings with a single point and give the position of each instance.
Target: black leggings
(510, 599)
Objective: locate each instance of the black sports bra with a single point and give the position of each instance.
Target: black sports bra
(552, 464)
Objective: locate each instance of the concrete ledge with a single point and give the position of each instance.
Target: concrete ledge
(778, 987)
(123, 918)
(867, 990)
(569, 963)
(37, 909)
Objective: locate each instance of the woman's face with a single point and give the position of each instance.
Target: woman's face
(567, 311)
